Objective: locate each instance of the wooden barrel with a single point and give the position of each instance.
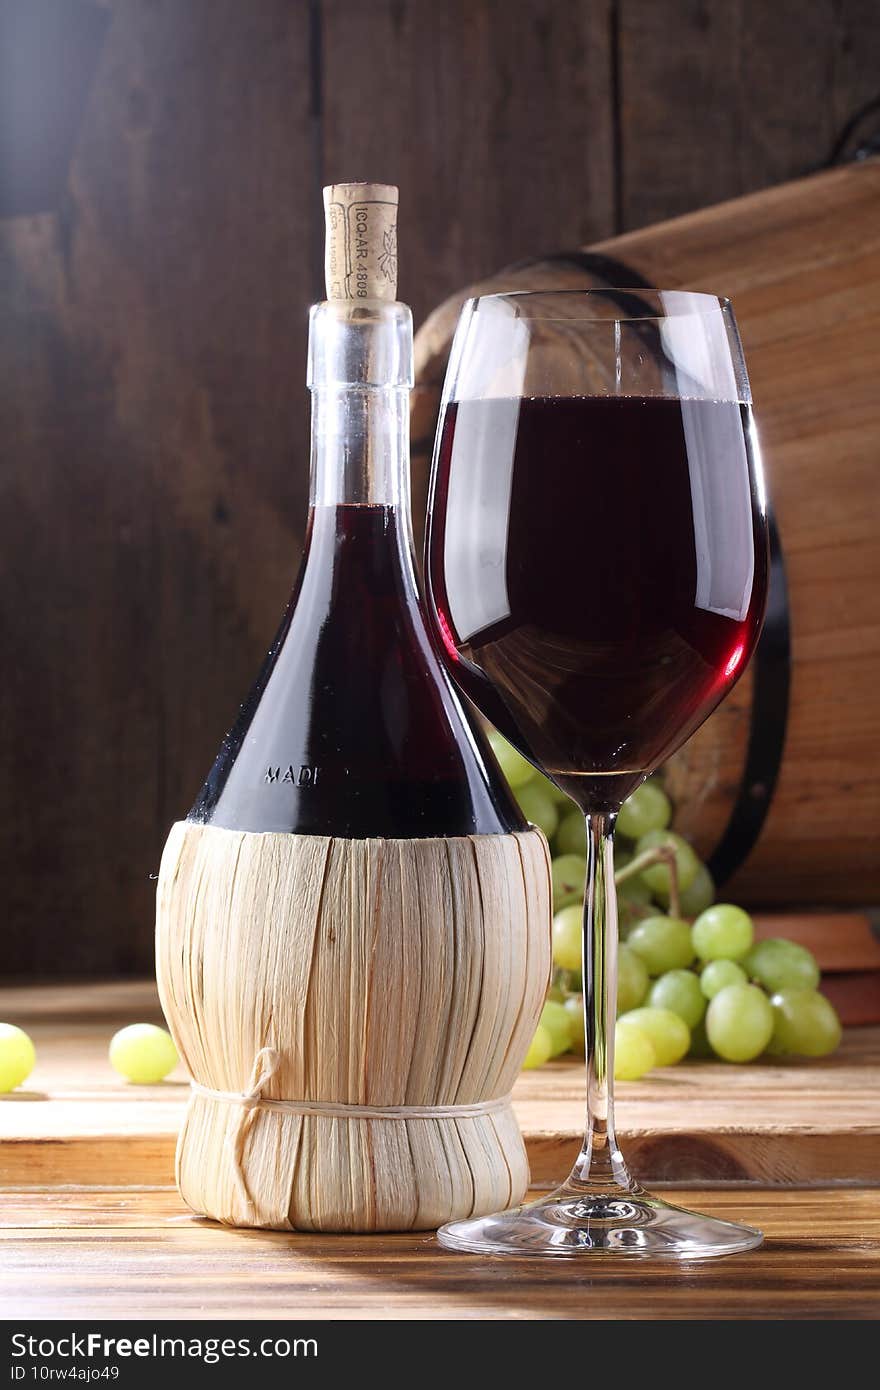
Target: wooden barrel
(780, 787)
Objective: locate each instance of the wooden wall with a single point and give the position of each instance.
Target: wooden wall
(160, 169)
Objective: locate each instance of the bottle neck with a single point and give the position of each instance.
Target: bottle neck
(360, 447)
(360, 371)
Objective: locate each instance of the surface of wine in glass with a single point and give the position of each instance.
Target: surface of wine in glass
(605, 601)
(597, 555)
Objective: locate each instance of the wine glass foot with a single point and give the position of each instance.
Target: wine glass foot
(622, 1225)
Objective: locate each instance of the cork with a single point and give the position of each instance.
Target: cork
(361, 248)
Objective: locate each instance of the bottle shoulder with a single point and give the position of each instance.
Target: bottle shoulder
(354, 727)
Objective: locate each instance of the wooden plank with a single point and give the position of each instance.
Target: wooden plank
(152, 386)
(720, 99)
(139, 1254)
(773, 1122)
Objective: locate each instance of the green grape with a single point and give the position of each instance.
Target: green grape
(558, 797)
(574, 1007)
(778, 964)
(664, 943)
(739, 1022)
(540, 1049)
(558, 1024)
(538, 807)
(669, 1034)
(571, 837)
(679, 990)
(568, 928)
(699, 895)
(634, 891)
(700, 1044)
(804, 1023)
(718, 974)
(628, 917)
(517, 769)
(632, 980)
(648, 808)
(143, 1053)
(556, 992)
(568, 874)
(17, 1057)
(722, 932)
(657, 875)
(633, 1052)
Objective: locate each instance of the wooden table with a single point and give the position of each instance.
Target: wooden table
(137, 1253)
(90, 1224)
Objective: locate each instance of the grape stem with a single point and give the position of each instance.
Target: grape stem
(662, 854)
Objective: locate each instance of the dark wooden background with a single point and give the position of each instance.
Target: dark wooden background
(160, 170)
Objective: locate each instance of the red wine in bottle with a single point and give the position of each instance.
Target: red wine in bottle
(353, 728)
(646, 602)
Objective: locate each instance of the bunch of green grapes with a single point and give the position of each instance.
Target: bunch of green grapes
(691, 979)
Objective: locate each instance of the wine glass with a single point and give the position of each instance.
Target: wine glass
(597, 567)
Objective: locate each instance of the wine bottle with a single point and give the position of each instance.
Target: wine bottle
(352, 923)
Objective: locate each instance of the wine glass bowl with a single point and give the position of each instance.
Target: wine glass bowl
(597, 569)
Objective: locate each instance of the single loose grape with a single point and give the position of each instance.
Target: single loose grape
(719, 973)
(647, 808)
(17, 1057)
(632, 979)
(538, 807)
(558, 1024)
(574, 1007)
(571, 837)
(633, 1052)
(679, 990)
(722, 932)
(568, 874)
(517, 769)
(700, 894)
(657, 875)
(804, 1023)
(669, 1034)
(568, 928)
(664, 943)
(143, 1053)
(779, 964)
(739, 1022)
(540, 1049)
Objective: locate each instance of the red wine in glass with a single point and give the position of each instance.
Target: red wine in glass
(628, 593)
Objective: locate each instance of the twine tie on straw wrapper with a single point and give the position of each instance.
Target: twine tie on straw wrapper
(265, 1067)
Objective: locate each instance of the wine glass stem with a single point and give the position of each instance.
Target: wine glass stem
(600, 1164)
